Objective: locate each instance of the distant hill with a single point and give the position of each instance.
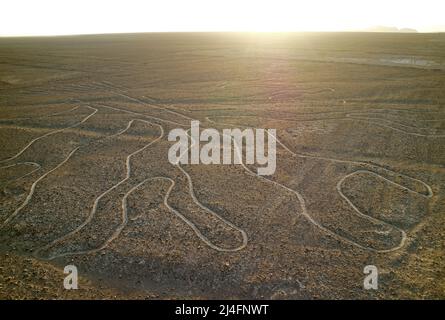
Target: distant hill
(390, 29)
(408, 30)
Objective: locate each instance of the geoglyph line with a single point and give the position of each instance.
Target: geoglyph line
(35, 164)
(51, 133)
(200, 235)
(96, 201)
(356, 210)
(115, 234)
(329, 232)
(299, 196)
(351, 117)
(369, 120)
(143, 115)
(33, 187)
(361, 163)
(153, 105)
(117, 231)
(192, 194)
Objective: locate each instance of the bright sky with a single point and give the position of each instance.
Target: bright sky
(52, 17)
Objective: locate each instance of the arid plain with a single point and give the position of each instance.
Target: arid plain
(85, 178)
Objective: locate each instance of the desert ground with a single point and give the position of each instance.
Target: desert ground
(85, 178)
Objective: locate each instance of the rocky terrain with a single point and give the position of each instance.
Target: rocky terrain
(85, 178)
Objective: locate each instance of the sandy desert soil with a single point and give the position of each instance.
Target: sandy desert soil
(85, 178)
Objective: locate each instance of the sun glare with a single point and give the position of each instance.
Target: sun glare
(51, 17)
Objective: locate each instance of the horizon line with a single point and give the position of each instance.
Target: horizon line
(208, 31)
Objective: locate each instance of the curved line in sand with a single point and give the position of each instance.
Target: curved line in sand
(51, 133)
(117, 231)
(33, 187)
(29, 163)
(356, 210)
(301, 199)
(96, 201)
